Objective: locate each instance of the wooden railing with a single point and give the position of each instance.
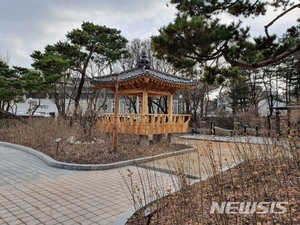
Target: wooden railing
(145, 124)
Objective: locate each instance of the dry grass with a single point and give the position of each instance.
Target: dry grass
(40, 134)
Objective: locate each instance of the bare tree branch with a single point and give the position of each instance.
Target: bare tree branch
(278, 17)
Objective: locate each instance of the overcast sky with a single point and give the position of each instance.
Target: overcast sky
(28, 25)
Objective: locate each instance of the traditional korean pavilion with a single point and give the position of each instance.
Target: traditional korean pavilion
(144, 82)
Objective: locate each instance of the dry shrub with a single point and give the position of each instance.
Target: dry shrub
(224, 119)
(40, 134)
(295, 122)
(268, 172)
(248, 119)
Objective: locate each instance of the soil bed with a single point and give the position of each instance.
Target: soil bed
(102, 153)
(40, 134)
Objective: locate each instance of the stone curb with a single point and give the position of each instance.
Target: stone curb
(87, 167)
(236, 139)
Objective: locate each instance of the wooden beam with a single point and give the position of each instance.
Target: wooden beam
(131, 91)
(159, 93)
(139, 91)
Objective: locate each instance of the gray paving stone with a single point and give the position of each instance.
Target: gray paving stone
(19, 167)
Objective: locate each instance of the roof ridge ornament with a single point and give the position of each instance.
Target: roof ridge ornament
(144, 61)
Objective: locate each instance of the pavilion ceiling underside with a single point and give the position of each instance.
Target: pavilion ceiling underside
(154, 87)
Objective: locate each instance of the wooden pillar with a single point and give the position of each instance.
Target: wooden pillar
(170, 104)
(145, 103)
(170, 123)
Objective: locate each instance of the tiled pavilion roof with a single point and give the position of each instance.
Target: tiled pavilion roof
(143, 78)
(136, 73)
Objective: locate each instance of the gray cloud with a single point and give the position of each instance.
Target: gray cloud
(30, 25)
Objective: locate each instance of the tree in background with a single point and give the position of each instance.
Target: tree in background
(289, 71)
(239, 96)
(94, 44)
(280, 81)
(84, 49)
(11, 86)
(199, 34)
(196, 102)
(54, 68)
(17, 82)
(244, 94)
(85, 54)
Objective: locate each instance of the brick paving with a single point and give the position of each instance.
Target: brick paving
(84, 198)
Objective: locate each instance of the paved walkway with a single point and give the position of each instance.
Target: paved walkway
(19, 167)
(31, 192)
(34, 193)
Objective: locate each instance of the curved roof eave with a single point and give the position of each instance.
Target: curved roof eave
(136, 73)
